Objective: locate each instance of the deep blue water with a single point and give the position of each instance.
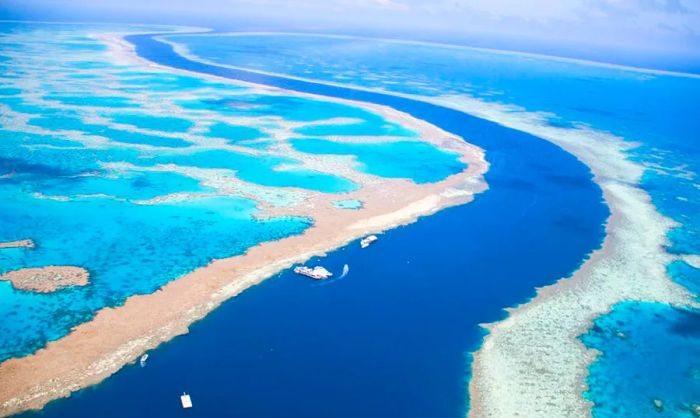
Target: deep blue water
(393, 337)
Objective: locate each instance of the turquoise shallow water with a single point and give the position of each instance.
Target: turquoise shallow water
(638, 341)
(102, 168)
(158, 123)
(128, 249)
(234, 133)
(348, 204)
(405, 159)
(657, 112)
(261, 170)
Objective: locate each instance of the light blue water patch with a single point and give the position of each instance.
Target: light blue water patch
(93, 100)
(348, 204)
(89, 46)
(20, 105)
(77, 124)
(32, 164)
(650, 352)
(371, 124)
(64, 122)
(160, 81)
(418, 161)
(257, 144)
(263, 170)
(674, 192)
(156, 123)
(16, 138)
(300, 109)
(130, 186)
(82, 76)
(128, 249)
(234, 133)
(685, 275)
(366, 128)
(9, 91)
(92, 65)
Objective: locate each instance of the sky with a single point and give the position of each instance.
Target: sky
(653, 27)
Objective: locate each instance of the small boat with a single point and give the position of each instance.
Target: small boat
(316, 273)
(143, 360)
(186, 401)
(346, 269)
(367, 241)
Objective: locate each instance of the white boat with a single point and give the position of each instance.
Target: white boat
(143, 360)
(186, 401)
(346, 269)
(316, 273)
(367, 241)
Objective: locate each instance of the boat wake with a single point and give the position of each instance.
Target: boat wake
(346, 270)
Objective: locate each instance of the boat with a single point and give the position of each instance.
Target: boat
(143, 360)
(186, 401)
(346, 269)
(316, 273)
(367, 241)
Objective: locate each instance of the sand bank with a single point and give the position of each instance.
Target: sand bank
(47, 279)
(23, 243)
(116, 336)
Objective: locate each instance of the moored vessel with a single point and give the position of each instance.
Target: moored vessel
(367, 241)
(316, 273)
(186, 401)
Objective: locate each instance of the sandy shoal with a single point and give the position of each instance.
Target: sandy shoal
(23, 243)
(47, 279)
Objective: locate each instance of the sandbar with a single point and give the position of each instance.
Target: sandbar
(47, 279)
(22, 243)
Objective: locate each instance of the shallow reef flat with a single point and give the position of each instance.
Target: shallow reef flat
(47, 279)
(176, 192)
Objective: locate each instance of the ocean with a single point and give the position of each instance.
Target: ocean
(653, 114)
(395, 335)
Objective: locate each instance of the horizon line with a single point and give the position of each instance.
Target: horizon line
(208, 31)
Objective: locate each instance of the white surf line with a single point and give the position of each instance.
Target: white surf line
(532, 363)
